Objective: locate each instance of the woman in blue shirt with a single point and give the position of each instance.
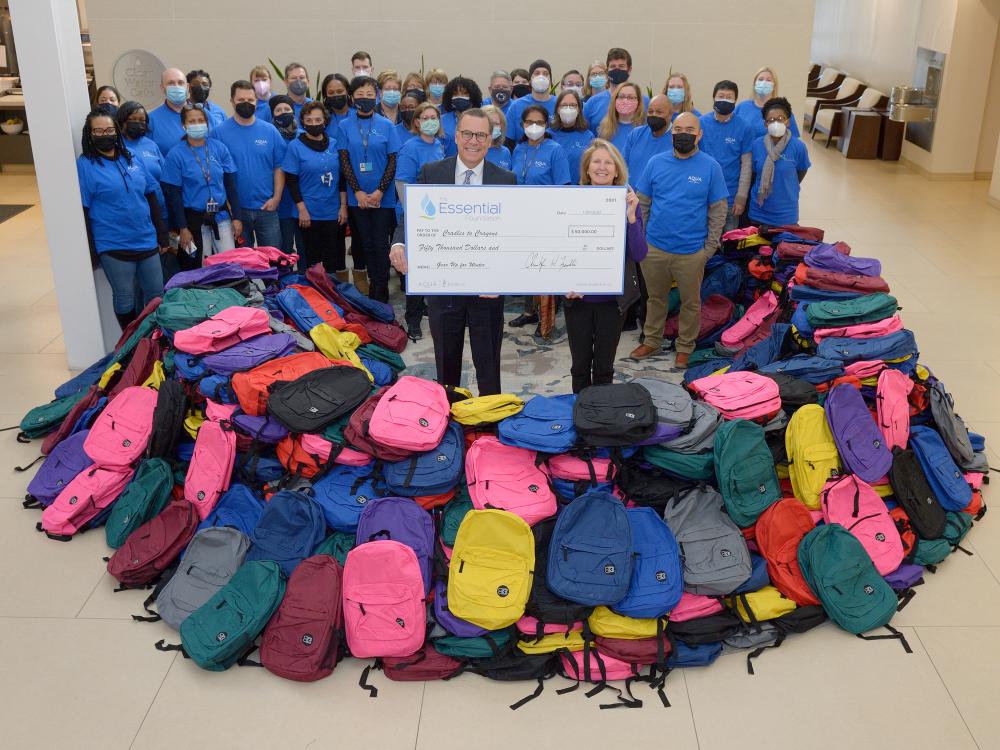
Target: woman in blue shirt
(780, 162)
(568, 127)
(678, 91)
(336, 100)
(120, 208)
(596, 80)
(459, 95)
(199, 183)
(312, 175)
(625, 112)
(765, 86)
(434, 85)
(498, 152)
(283, 118)
(390, 94)
(407, 109)
(200, 86)
(368, 149)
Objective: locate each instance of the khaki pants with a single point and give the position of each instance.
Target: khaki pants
(661, 269)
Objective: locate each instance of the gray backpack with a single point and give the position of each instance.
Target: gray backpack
(211, 559)
(715, 554)
(672, 402)
(701, 438)
(951, 426)
(303, 342)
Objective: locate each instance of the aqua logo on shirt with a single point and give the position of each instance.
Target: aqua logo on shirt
(695, 179)
(261, 142)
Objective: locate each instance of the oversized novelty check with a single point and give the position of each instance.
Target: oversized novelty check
(514, 239)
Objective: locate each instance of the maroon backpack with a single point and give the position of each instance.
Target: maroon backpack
(839, 282)
(356, 431)
(140, 366)
(641, 651)
(426, 664)
(390, 335)
(153, 547)
(716, 311)
(303, 640)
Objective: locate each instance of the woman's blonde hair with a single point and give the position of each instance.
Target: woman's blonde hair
(588, 91)
(415, 122)
(437, 75)
(688, 104)
(490, 109)
(596, 145)
(388, 75)
(765, 69)
(412, 76)
(260, 70)
(609, 125)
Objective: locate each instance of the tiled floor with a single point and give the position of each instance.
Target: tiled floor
(77, 672)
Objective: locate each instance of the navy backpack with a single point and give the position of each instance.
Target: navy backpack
(859, 441)
(430, 473)
(238, 507)
(814, 370)
(942, 473)
(544, 424)
(657, 576)
(290, 528)
(891, 346)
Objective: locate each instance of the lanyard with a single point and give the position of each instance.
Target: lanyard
(524, 169)
(206, 169)
(365, 136)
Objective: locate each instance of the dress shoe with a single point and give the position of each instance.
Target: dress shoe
(413, 330)
(523, 319)
(642, 352)
(681, 362)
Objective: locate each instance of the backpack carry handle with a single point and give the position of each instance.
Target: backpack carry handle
(380, 533)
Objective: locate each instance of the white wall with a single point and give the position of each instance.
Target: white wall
(708, 40)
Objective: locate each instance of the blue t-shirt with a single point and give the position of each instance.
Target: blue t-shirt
(574, 142)
(149, 154)
(369, 161)
(726, 142)
(216, 115)
(412, 156)
(681, 191)
(675, 115)
(500, 156)
(319, 177)
(403, 134)
(595, 108)
(505, 108)
(263, 111)
(186, 168)
(447, 133)
(333, 127)
(782, 205)
(287, 208)
(622, 132)
(513, 115)
(544, 164)
(165, 128)
(114, 193)
(297, 108)
(749, 112)
(640, 147)
(257, 150)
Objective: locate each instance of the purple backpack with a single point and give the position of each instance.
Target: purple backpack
(443, 616)
(64, 462)
(859, 441)
(209, 276)
(248, 354)
(400, 519)
(827, 258)
(905, 576)
(263, 429)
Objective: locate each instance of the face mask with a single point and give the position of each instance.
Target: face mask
(430, 127)
(109, 109)
(417, 94)
(568, 115)
(135, 130)
(724, 107)
(684, 143)
(285, 121)
(199, 94)
(105, 142)
(534, 132)
(406, 115)
(263, 88)
(500, 97)
(460, 103)
(315, 129)
(177, 94)
(335, 102)
(763, 88)
(298, 87)
(196, 132)
(776, 129)
(540, 84)
(519, 90)
(577, 89)
(675, 95)
(365, 106)
(618, 76)
(437, 90)
(245, 109)
(656, 124)
(626, 106)
(598, 82)
(362, 72)
(391, 98)
(496, 132)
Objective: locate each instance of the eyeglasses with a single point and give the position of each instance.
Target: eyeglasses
(534, 122)
(628, 98)
(471, 135)
(103, 131)
(780, 118)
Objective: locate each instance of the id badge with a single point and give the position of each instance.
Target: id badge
(212, 207)
(366, 166)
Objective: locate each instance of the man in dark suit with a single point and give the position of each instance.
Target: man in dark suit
(449, 315)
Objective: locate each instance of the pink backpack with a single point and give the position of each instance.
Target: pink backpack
(82, 500)
(246, 257)
(892, 401)
(119, 436)
(573, 469)
(853, 504)
(217, 412)
(740, 395)
(693, 606)
(276, 257)
(531, 626)
(222, 330)
(862, 330)
(505, 477)
(211, 466)
(865, 368)
(411, 415)
(316, 445)
(384, 610)
(755, 324)
(590, 666)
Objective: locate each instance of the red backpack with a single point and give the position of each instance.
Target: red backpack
(320, 305)
(780, 528)
(153, 547)
(252, 387)
(356, 431)
(390, 335)
(140, 366)
(716, 311)
(839, 282)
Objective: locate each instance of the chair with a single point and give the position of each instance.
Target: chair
(813, 76)
(849, 89)
(829, 80)
(831, 117)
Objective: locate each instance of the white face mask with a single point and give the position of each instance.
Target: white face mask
(534, 131)
(568, 115)
(776, 129)
(577, 89)
(363, 72)
(540, 84)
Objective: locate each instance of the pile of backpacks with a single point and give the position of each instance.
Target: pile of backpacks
(288, 497)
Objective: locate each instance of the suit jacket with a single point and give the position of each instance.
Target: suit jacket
(443, 173)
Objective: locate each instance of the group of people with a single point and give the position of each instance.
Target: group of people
(163, 188)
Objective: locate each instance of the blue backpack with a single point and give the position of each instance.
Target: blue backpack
(590, 555)
(239, 507)
(763, 352)
(800, 319)
(218, 388)
(943, 474)
(290, 528)
(86, 418)
(381, 372)
(363, 303)
(685, 655)
(892, 346)
(725, 280)
(342, 494)
(657, 576)
(85, 379)
(544, 424)
(812, 369)
(568, 490)
(803, 293)
(759, 577)
(431, 472)
(189, 366)
(295, 306)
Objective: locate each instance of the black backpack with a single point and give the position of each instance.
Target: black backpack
(650, 487)
(543, 605)
(710, 629)
(516, 666)
(915, 496)
(318, 398)
(168, 420)
(794, 392)
(614, 415)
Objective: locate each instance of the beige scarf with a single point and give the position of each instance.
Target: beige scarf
(774, 151)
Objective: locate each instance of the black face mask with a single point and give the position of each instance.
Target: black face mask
(135, 130)
(417, 94)
(519, 90)
(335, 102)
(105, 142)
(365, 106)
(108, 109)
(617, 76)
(199, 94)
(406, 115)
(684, 143)
(283, 120)
(315, 129)
(460, 103)
(724, 107)
(245, 109)
(501, 97)
(656, 124)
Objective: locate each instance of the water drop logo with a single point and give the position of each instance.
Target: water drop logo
(428, 207)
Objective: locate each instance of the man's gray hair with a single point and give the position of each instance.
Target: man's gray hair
(501, 74)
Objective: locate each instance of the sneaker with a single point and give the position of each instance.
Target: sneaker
(413, 330)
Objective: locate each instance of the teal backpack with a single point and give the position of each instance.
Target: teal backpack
(183, 308)
(488, 646)
(843, 576)
(223, 630)
(696, 466)
(142, 500)
(337, 545)
(745, 470)
(44, 419)
(930, 552)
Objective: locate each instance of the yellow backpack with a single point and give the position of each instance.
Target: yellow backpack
(766, 603)
(485, 409)
(606, 623)
(492, 563)
(812, 454)
(334, 344)
(571, 641)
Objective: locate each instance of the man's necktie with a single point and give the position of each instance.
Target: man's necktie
(468, 177)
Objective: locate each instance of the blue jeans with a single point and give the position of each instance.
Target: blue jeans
(125, 275)
(260, 228)
(291, 236)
